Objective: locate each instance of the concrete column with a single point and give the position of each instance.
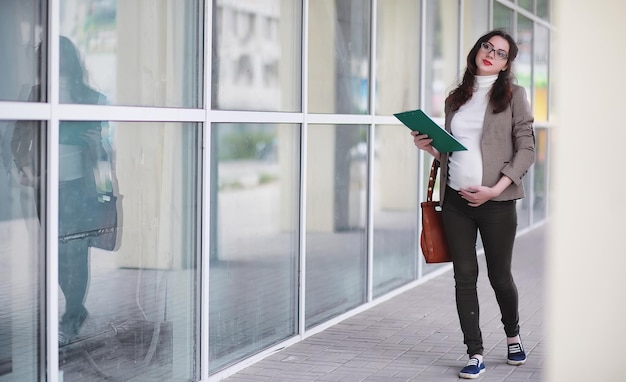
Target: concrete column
(587, 258)
(149, 156)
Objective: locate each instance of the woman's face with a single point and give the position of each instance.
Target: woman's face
(492, 56)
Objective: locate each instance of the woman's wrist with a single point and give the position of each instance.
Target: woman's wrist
(502, 184)
(436, 154)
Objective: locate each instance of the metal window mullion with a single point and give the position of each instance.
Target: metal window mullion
(32, 111)
(228, 116)
(205, 339)
(547, 174)
(82, 112)
(370, 162)
(303, 172)
(420, 156)
(52, 190)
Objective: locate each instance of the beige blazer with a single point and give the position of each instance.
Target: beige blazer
(507, 143)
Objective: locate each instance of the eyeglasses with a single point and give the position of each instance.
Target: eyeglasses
(500, 54)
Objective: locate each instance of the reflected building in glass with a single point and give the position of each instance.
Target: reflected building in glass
(191, 185)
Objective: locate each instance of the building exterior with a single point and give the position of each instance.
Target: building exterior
(264, 189)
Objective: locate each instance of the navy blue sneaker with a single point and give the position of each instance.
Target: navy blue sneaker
(516, 355)
(473, 369)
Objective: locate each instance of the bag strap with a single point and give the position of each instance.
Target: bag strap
(431, 180)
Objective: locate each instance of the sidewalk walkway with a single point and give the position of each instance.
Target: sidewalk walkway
(416, 337)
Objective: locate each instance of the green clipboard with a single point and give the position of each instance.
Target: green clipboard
(417, 120)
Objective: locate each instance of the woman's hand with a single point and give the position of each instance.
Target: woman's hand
(422, 142)
(477, 195)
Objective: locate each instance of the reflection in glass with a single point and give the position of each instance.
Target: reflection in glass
(475, 23)
(524, 206)
(256, 55)
(543, 8)
(395, 209)
(527, 4)
(336, 220)
(540, 73)
(86, 193)
(540, 175)
(128, 307)
(503, 17)
(397, 56)
(22, 253)
(523, 62)
(441, 71)
(23, 30)
(143, 54)
(339, 50)
(254, 239)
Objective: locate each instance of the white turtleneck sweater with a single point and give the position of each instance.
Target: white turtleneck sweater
(465, 168)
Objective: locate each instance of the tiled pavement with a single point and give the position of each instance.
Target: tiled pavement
(415, 336)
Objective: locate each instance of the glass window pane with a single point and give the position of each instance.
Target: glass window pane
(253, 298)
(540, 175)
(23, 59)
(442, 58)
(543, 9)
(22, 252)
(524, 205)
(336, 250)
(540, 73)
(256, 55)
(128, 307)
(527, 5)
(339, 56)
(397, 56)
(395, 209)
(523, 63)
(135, 53)
(475, 24)
(502, 17)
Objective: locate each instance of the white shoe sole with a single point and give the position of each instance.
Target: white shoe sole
(471, 376)
(515, 363)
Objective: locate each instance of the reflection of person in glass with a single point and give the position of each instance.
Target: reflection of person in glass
(81, 157)
(491, 116)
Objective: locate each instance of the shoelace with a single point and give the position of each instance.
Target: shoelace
(473, 362)
(515, 348)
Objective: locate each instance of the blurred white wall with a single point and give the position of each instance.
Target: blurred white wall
(587, 256)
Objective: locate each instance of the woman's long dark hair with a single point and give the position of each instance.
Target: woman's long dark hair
(502, 90)
(73, 68)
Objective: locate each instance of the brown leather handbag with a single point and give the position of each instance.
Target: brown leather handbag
(433, 238)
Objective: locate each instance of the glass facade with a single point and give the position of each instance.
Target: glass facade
(254, 238)
(503, 17)
(24, 45)
(442, 69)
(129, 302)
(190, 185)
(397, 51)
(394, 209)
(339, 56)
(336, 220)
(22, 255)
(142, 54)
(256, 55)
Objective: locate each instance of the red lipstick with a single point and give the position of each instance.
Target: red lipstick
(486, 62)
